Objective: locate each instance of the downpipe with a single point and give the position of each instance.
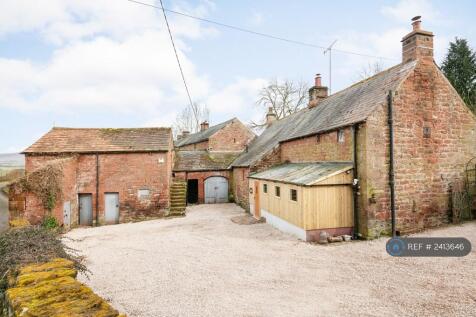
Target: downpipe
(391, 170)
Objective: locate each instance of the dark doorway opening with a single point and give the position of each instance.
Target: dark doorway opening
(192, 191)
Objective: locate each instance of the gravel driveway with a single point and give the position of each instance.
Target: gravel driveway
(206, 265)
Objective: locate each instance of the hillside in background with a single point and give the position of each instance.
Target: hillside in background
(12, 160)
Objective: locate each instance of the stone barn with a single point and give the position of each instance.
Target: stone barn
(406, 131)
(107, 176)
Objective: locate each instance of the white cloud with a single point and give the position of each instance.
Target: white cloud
(385, 43)
(62, 21)
(404, 10)
(114, 58)
(109, 57)
(237, 99)
(137, 74)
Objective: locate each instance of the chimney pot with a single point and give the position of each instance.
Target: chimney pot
(204, 125)
(317, 93)
(416, 23)
(270, 116)
(418, 44)
(317, 80)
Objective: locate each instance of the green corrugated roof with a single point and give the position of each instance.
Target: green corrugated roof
(304, 174)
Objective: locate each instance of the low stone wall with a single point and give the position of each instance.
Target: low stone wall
(51, 289)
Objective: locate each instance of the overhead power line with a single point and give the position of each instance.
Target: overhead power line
(270, 36)
(176, 55)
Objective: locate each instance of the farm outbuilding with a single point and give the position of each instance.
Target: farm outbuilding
(305, 198)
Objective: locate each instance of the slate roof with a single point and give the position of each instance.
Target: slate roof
(203, 160)
(85, 140)
(303, 174)
(202, 135)
(346, 107)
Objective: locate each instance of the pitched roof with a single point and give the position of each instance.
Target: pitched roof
(85, 140)
(203, 160)
(202, 135)
(346, 107)
(304, 174)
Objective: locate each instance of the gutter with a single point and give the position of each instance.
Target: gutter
(356, 185)
(391, 171)
(324, 131)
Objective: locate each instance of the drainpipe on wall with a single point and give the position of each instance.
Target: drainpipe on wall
(97, 189)
(391, 171)
(356, 185)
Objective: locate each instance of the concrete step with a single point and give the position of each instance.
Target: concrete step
(181, 191)
(183, 206)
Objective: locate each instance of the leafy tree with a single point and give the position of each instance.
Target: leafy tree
(459, 67)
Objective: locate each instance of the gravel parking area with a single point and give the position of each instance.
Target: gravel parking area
(206, 265)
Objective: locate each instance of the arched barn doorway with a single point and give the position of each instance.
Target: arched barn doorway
(216, 190)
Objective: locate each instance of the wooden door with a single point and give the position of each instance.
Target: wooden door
(216, 190)
(256, 196)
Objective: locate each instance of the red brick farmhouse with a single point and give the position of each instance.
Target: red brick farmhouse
(405, 131)
(376, 157)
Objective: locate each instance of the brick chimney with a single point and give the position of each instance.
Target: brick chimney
(204, 125)
(317, 93)
(270, 116)
(418, 44)
(185, 134)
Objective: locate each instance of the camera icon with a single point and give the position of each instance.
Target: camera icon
(395, 247)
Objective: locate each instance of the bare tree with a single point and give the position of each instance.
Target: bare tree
(190, 117)
(284, 98)
(369, 70)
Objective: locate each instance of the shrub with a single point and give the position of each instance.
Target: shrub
(31, 245)
(50, 222)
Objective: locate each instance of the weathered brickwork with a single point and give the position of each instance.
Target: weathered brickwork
(201, 177)
(435, 136)
(124, 173)
(234, 137)
(27, 205)
(240, 186)
(240, 176)
(324, 147)
(196, 146)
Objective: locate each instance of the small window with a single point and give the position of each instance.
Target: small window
(318, 138)
(293, 194)
(277, 191)
(426, 132)
(340, 136)
(143, 193)
(265, 188)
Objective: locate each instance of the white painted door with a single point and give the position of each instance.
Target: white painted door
(216, 190)
(67, 213)
(112, 208)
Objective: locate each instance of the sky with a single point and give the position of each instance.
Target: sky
(110, 63)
